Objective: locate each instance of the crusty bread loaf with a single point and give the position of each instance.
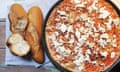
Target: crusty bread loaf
(36, 18)
(18, 18)
(18, 46)
(33, 33)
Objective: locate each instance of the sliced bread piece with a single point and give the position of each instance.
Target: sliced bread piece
(18, 46)
(21, 48)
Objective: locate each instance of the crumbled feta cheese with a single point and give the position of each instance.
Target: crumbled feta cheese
(63, 27)
(93, 6)
(84, 17)
(102, 43)
(114, 36)
(87, 57)
(82, 29)
(95, 30)
(66, 35)
(57, 19)
(81, 67)
(56, 33)
(109, 40)
(72, 40)
(89, 20)
(103, 13)
(96, 34)
(70, 28)
(67, 52)
(80, 4)
(79, 60)
(93, 62)
(56, 44)
(87, 24)
(104, 54)
(109, 27)
(52, 37)
(101, 29)
(63, 13)
(116, 21)
(114, 45)
(112, 55)
(77, 33)
(108, 24)
(88, 51)
(58, 57)
(105, 35)
(90, 45)
(76, 1)
(60, 49)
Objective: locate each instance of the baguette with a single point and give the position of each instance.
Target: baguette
(18, 46)
(18, 18)
(33, 33)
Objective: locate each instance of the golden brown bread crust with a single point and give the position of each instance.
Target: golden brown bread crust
(36, 18)
(33, 34)
(18, 18)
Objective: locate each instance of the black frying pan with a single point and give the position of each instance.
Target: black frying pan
(110, 69)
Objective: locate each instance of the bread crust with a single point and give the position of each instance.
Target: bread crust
(36, 18)
(33, 33)
(16, 15)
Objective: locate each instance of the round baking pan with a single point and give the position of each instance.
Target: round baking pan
(62, 69)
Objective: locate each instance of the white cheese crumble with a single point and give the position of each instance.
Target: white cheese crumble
(114, 43)
(112, 55)
(109, 23)
(93, 6)
(87, 57)
(62, 13)
(56, 44)
(93, 62)
(56, 33)
(102, 43)
(72, 40)
(82, 4)
(77, 33)
(88, 51)
(82, 29)
(76, 1)
(116, 21)
(95, 30)
(79, 59)
(70, 28)
(103, 13)
(84, 17)
(104, 54)
(90, 45)
(62, 27)
(52, 37)
(57, 19)
(105, 35)
(60, 49)
(101, 29)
